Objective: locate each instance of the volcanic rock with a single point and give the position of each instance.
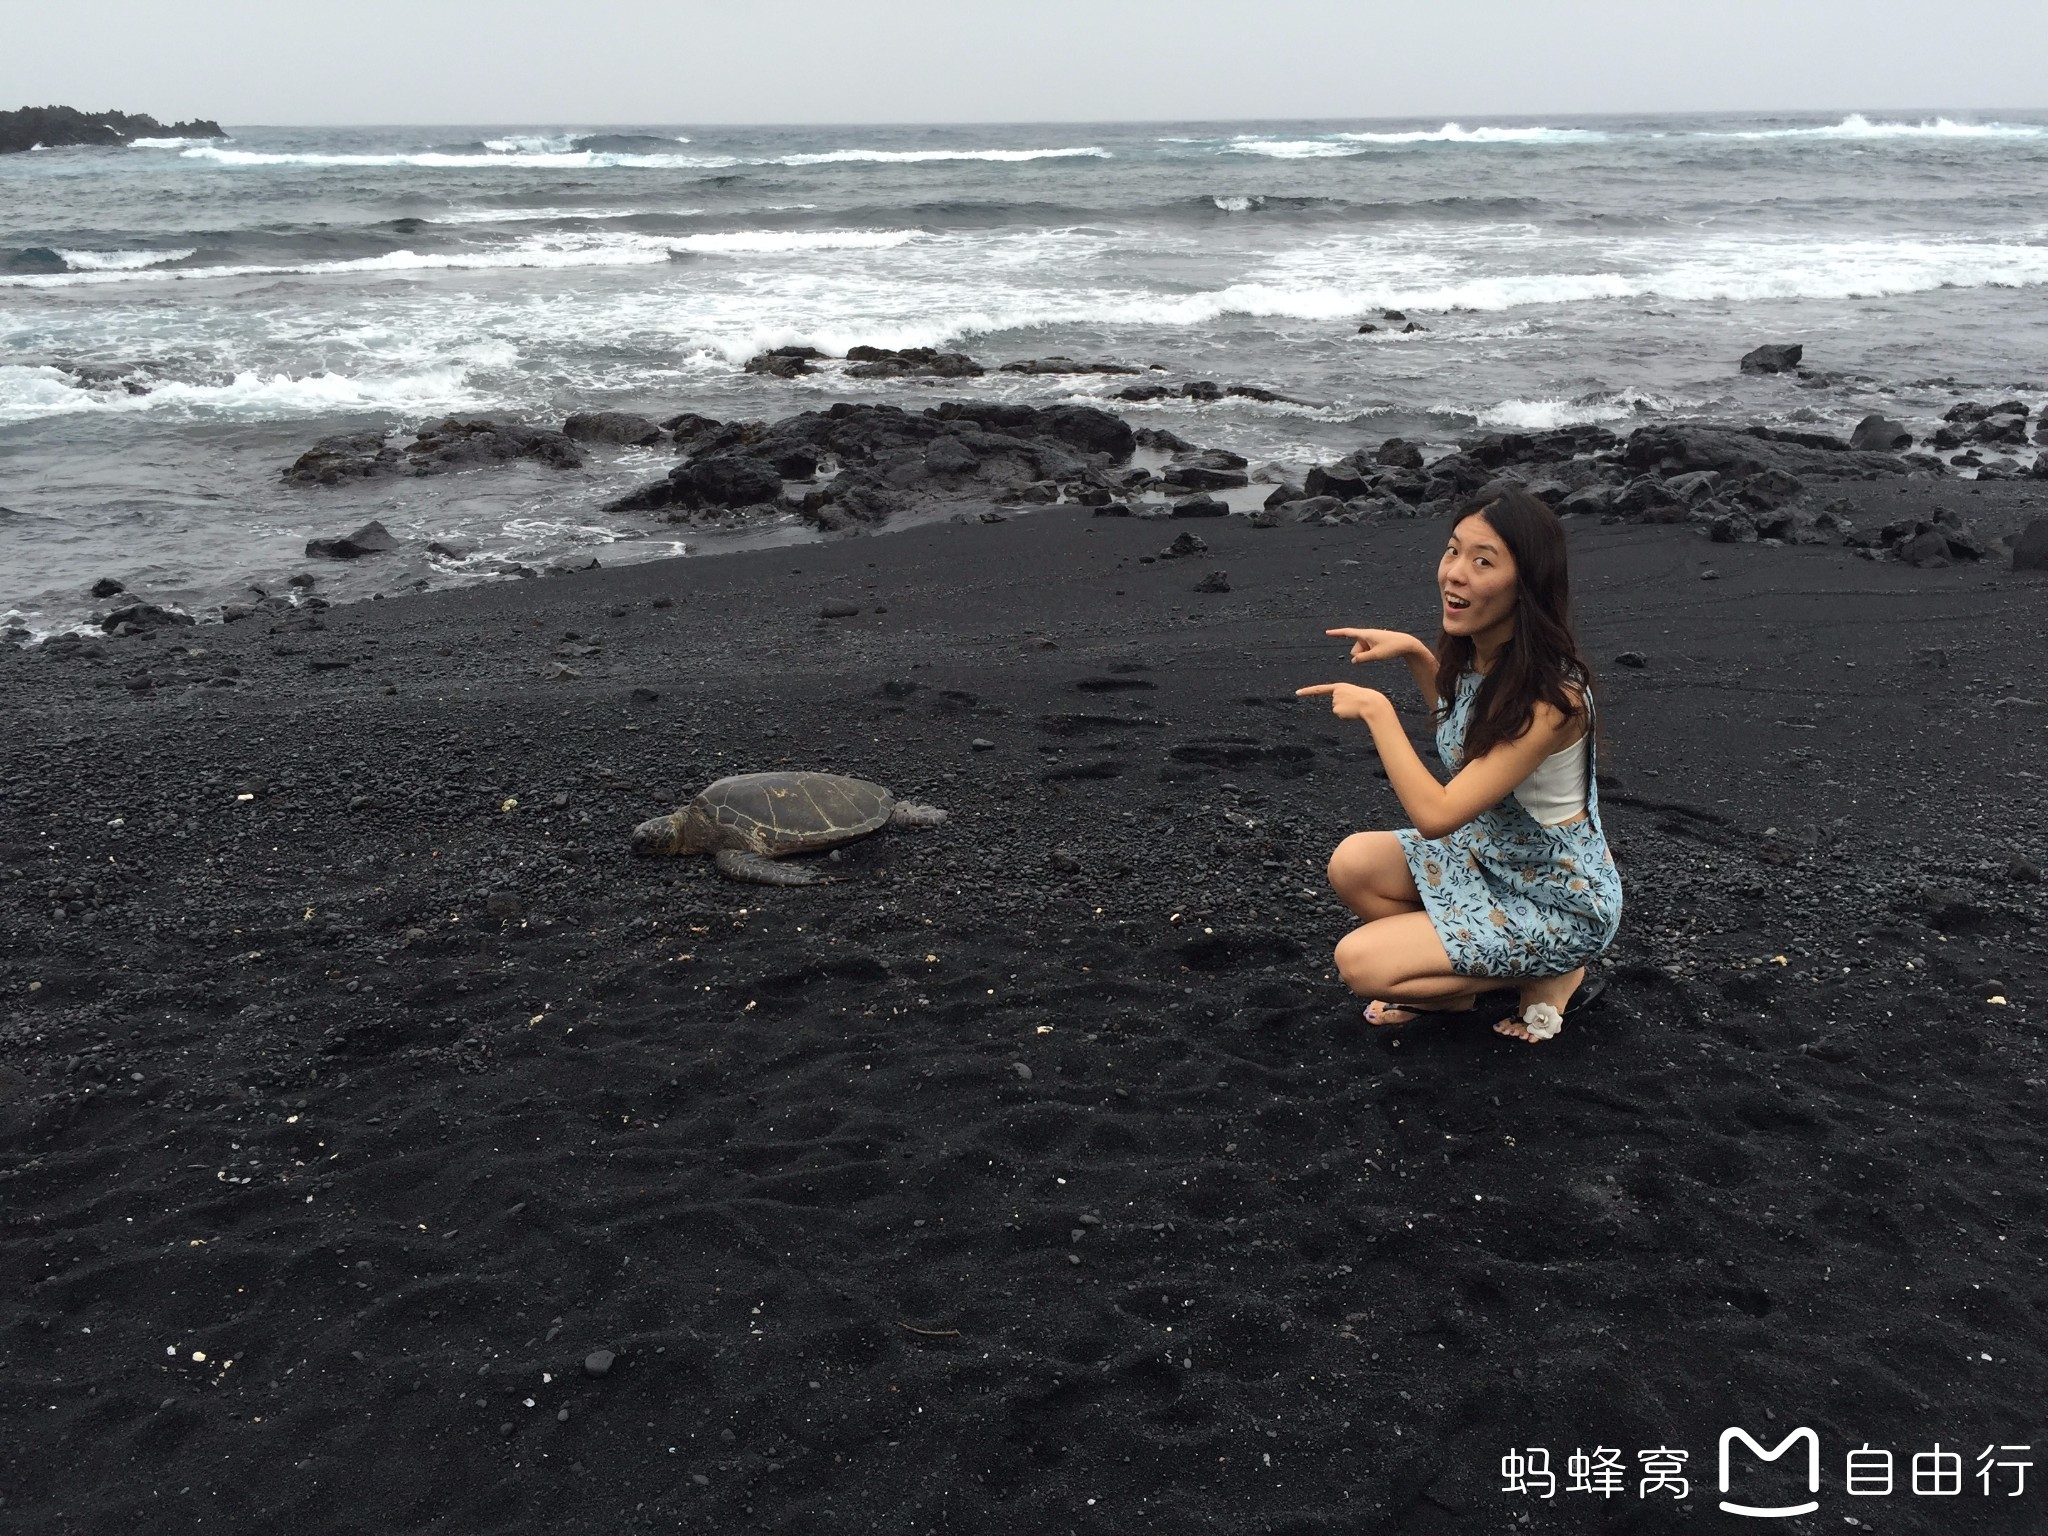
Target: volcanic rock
(373, 538)
(58, 127)
(139, 618)
(1398, 453)
(1202, 505)
(1212, 469)
(620, 427)
(1879, 434)
(1773, 357)
(449, 444)
(882, 363)
(1060, 365)
(730, 480)
(346, 456)
(1340, 480)
(778, 365)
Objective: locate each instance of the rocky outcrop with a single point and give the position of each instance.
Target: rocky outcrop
(62, 127)
(1878, 434)
(1211, 469)
(883, 363)
(440, 446)
(1203, 392)
(373, 538)
(783, 362)
(889, 460)
(1064, 365)
(1774, 357)
(622, 428)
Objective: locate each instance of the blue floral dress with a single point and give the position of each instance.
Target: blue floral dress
(1509, 896)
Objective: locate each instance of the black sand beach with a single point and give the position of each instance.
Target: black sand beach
(382, 1149)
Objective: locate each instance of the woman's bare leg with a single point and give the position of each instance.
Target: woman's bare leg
(1401, 957)
(1370, 875)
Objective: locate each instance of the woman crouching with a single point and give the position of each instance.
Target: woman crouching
(1506, 875)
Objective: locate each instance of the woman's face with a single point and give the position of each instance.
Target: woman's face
(1476, 582)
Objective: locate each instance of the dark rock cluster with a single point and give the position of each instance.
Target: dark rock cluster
(1742, 485)
(1202, 392)
(883, 460)
(62, 127)
(448, 444)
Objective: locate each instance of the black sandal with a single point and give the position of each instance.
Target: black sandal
(1481, 1003)
(1549, 1020)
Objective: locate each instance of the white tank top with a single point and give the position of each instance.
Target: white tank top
(1556, 791)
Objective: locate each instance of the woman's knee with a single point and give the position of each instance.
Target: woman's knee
(1359, 962)
(1351, 866)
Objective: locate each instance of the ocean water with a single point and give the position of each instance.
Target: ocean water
(223, 304)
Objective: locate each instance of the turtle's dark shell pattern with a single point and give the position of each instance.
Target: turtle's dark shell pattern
(781, 813)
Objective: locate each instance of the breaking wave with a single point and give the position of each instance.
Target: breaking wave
(1857, 126)
(561, 251)
(119, 261)
(28, 393)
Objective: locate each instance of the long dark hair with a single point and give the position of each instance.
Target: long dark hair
(1542, 656)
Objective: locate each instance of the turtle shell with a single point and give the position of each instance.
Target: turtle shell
(782, 813)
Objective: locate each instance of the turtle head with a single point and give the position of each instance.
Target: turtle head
(660, 836)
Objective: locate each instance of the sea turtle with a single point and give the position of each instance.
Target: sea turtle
(749, 821)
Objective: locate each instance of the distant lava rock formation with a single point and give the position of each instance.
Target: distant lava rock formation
(64, 127)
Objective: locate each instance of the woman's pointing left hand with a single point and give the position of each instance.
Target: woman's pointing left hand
(1348, 701)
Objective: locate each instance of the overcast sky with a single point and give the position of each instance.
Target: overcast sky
(516, 62)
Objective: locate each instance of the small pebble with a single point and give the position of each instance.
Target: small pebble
(598, 1363)
(983, 744)
(561, 1415)
(1022, 1071)
(700, 1479)
(1634, 659)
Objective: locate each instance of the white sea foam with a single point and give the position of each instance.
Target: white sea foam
(28, 393)
(1857, 126)
(118, 261)
(530, 144)
(565, 251)
(1239, 204)
(568, 160)
(169, 143)
(777, 242)
(553, 215)
(1539, 415)
(583, 159)
(921, 156)
(1339, 145)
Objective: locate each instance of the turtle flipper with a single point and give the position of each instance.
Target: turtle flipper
(909, 814)
(756, 869)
